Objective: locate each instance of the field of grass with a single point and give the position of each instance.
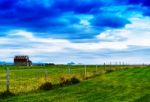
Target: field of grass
(25, 79)
(129, 84)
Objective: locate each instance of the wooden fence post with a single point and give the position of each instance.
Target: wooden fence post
(69, 70)
(7, 80)
(96, 69)
(110, 65)
(46, 75)
(85, 71)
(104, 66)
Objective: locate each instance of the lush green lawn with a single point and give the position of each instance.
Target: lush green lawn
(131, 85)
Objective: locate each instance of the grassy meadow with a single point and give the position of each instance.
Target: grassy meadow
(113, 84)
(25, 79)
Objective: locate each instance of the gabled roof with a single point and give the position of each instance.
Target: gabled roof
(21, 57)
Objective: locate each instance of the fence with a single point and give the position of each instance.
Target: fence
(25, 79)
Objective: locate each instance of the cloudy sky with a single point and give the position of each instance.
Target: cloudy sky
(83, 31)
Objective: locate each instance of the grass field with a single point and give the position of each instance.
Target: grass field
(128, 84)
(25, 79)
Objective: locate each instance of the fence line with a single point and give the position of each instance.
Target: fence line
(29, 79)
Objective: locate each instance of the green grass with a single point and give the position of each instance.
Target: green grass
(25, 79)
(131, 85)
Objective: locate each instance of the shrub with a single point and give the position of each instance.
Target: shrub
(110, 70)
(74, 80)
(64, 81)
(46, 86)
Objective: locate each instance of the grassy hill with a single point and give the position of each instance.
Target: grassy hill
(131, 85)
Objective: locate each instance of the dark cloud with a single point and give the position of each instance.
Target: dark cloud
(141, 2)
(109, 20)
(58, 17)
(54, 18)
(35, 15)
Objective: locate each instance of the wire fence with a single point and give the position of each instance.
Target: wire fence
(27, 79)
(19, 79)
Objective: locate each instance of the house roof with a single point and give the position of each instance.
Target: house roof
(21, 57)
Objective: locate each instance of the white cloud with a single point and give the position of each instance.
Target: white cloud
(137, 34)
(23, 42)
(112, 35)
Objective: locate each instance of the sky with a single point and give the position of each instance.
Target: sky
(80, 31)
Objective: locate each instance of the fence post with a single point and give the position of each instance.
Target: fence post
(96, 69)
(46, 75)
(120, 63)
(69, 70)
(104, 66)
(85, 71)
(7, 80)
(110, 65)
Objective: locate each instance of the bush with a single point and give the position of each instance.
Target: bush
(110, 70)
(64, 81)
(74, 80)
(46, 86)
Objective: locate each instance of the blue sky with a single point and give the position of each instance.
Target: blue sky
(82, 31)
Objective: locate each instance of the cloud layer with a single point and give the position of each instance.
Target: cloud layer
(75, 30)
